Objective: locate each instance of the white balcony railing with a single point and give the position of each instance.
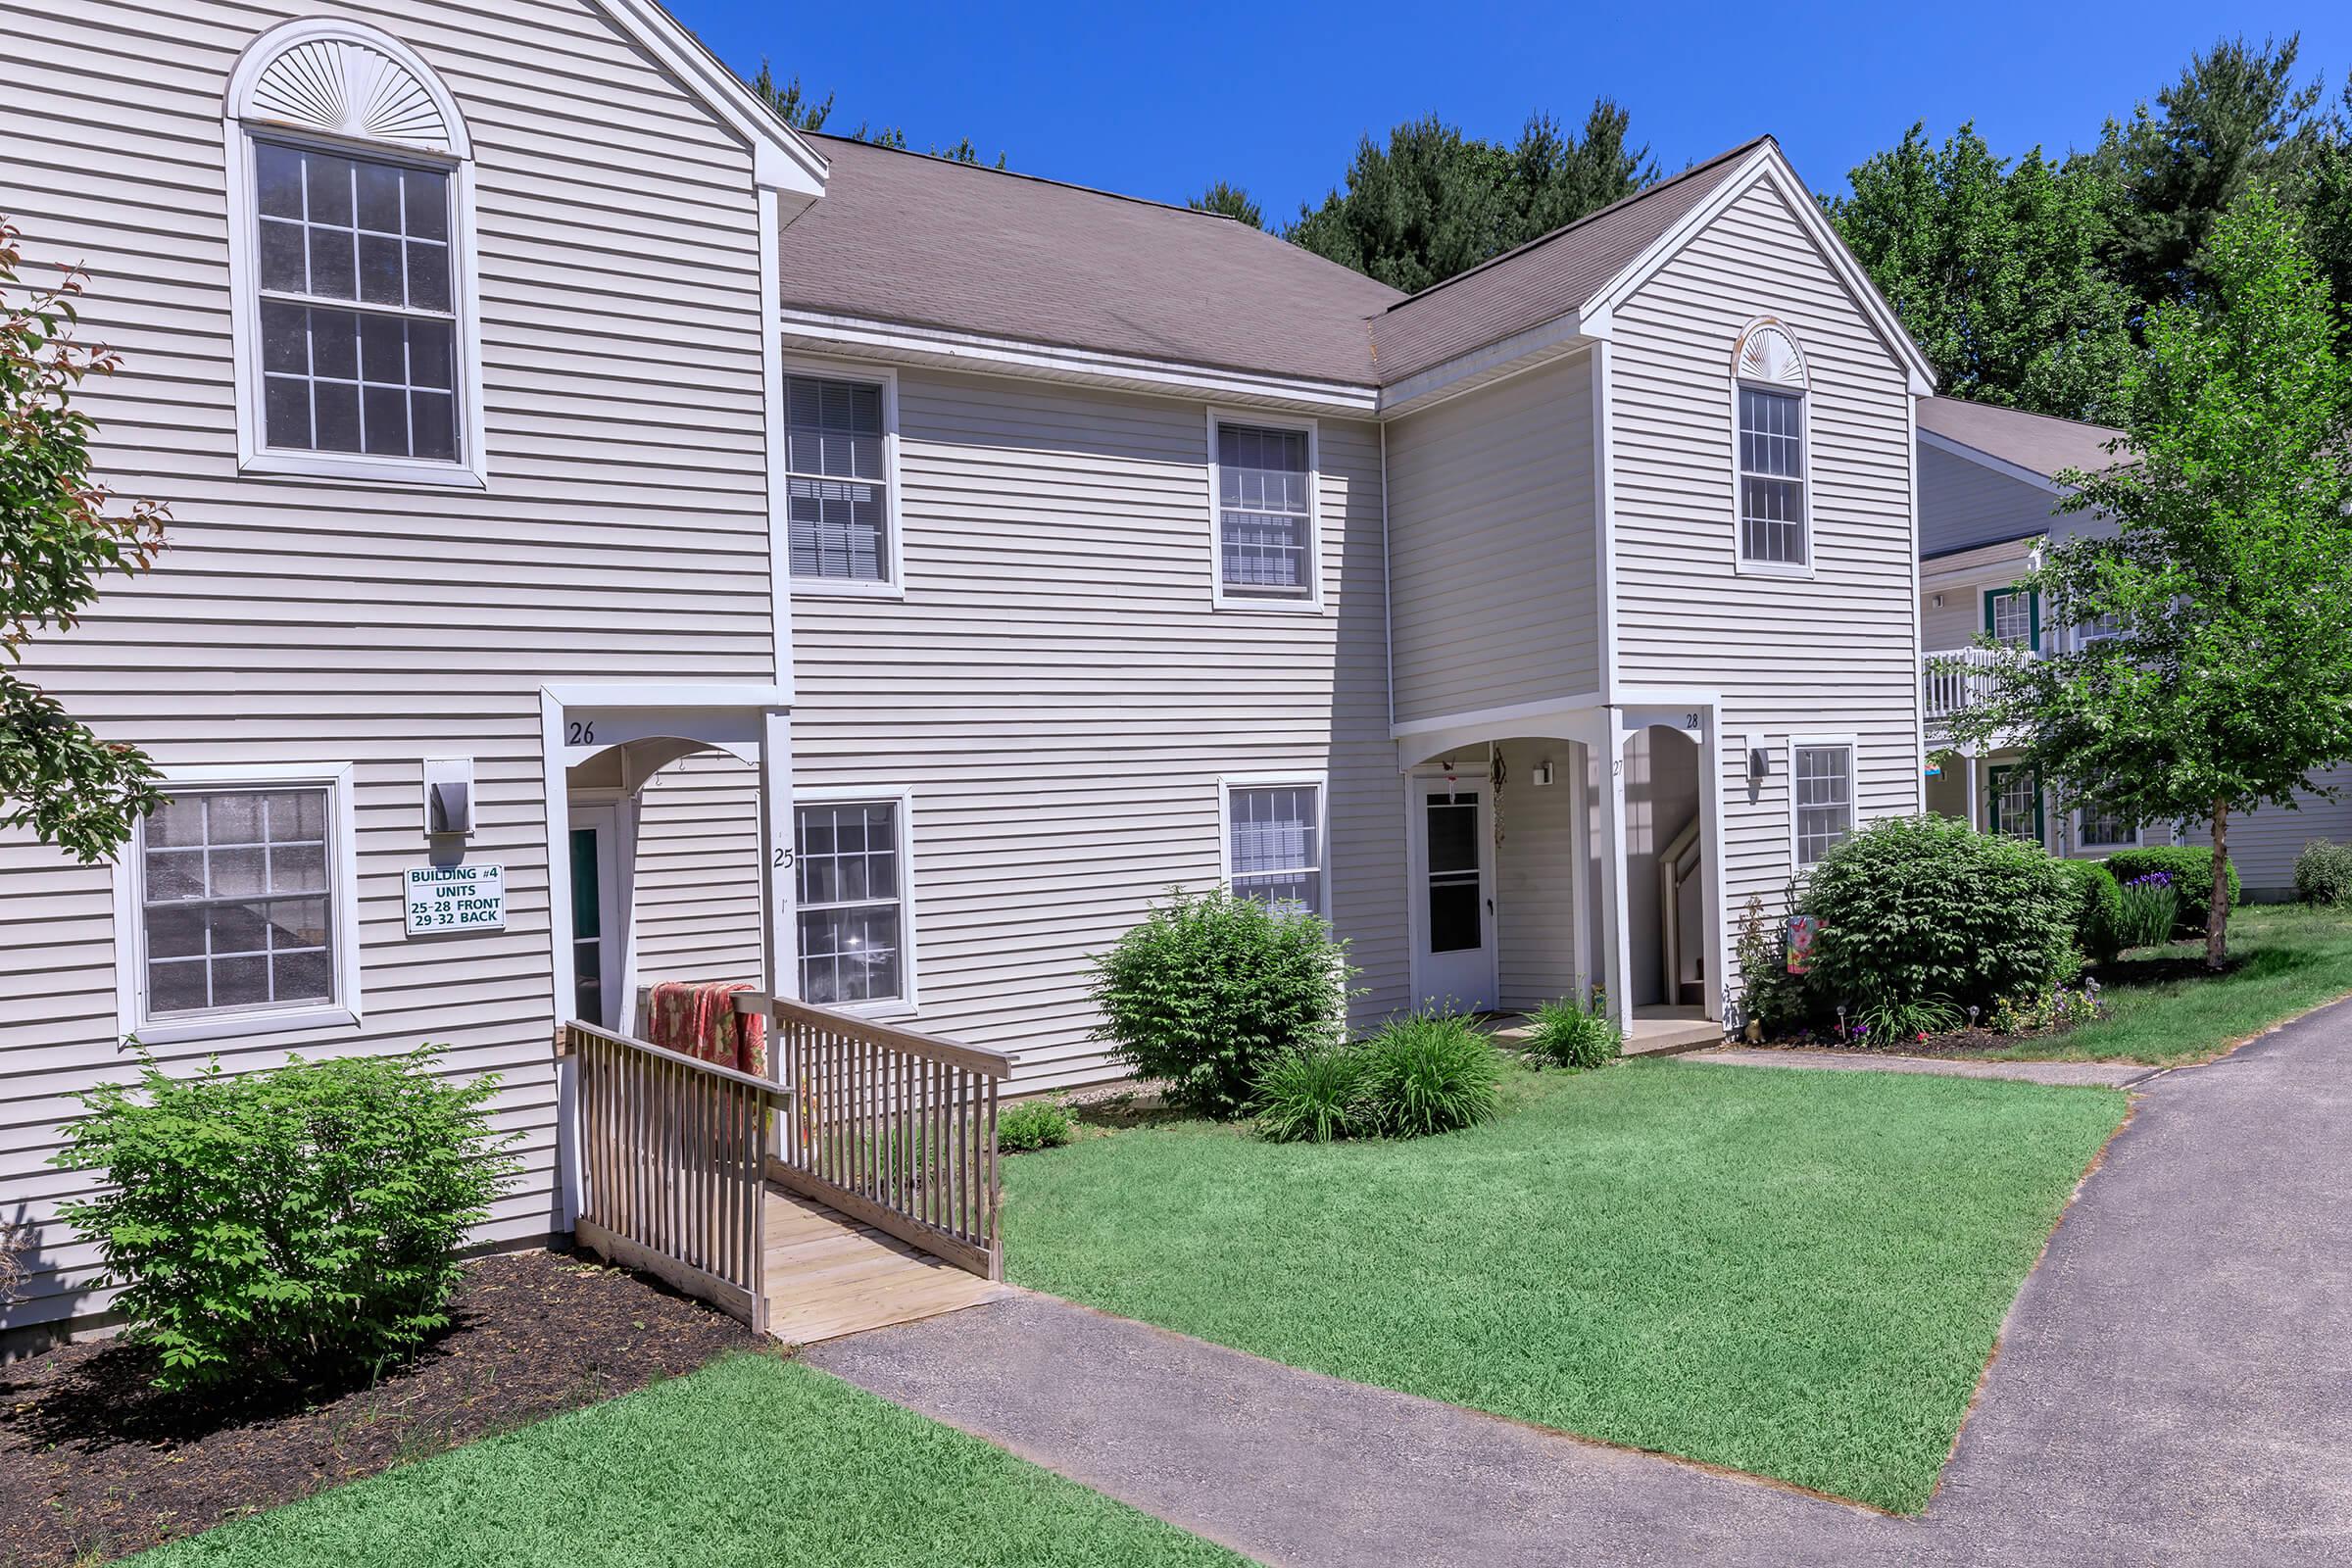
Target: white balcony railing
(1954, 678)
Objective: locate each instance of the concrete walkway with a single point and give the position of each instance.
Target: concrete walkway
(2174, 1387)
(2114, 1075)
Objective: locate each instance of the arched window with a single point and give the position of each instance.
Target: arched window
(350, 230)
(1769, 425)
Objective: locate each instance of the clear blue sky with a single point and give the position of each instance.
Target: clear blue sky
(1159, 102)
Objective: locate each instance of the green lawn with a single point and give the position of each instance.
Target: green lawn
(2294, 959)
(1799, 1274)
(751, 1461)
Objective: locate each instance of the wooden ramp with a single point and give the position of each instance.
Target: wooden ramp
(828, 1275)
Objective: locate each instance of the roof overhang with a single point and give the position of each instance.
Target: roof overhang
(781, 161)
(1499, 361)
(905, 343)
(2000, 465)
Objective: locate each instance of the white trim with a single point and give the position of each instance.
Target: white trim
(1768, 162)
(238, 134)
(1318, 780)
(1491, 717)
(1853, 787)
(860, 373)
(1999, 466)
(344, 1009)
(781, 159)
(663, 694)
(1802, 391)
(776, 448)
(973, 353)
(1220, 597)
(2077, 848)
(1919, 695)
(909, 1001)
(1499, 361)
(1604, 499)
(603, 812)
(1387, 601)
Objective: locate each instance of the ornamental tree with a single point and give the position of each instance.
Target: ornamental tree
(2227, 577)
(60, 533)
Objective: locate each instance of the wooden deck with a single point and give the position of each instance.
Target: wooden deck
(828, 1275)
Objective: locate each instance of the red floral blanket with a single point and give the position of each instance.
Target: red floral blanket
(698, 1019)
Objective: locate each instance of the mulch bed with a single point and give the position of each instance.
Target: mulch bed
(96, 1463)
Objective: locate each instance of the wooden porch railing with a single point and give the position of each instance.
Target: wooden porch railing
(892, 1128)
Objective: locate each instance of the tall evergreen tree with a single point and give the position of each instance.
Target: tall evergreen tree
(1995, 269)
(1231, 200)
(1435, 202)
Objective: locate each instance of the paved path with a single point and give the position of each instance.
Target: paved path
(2115, 1074)
(2174, 1387)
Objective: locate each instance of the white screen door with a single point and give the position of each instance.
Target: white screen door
(597, 930)
(1453, 873)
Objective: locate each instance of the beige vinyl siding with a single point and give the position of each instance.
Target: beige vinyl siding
(1535, 876)
(1831, 655)
(1965, 505)
(624, 533)
(1061, 697)
(1494, 587)
(697, 872)
(2264, 843)
(1961, 581)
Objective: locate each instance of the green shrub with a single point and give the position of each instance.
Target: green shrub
(2191, 871)
(1429, 1072)
(1893, 1021)
(2150, 907)
(2324, 873)
(1925, 909)
(1314, 1095)
(300, 1221)
(1034, 1124)
(1568, 1035)
(1771, 999)
(2098, 910)
(1210, 988)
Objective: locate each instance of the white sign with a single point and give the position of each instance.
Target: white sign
(457, 898)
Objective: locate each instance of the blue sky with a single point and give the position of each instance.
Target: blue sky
(1157, 102)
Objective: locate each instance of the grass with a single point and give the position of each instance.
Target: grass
(753, 1461)
(2287, 960)
(1792, 1273)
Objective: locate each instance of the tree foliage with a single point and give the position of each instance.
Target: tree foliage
(1231, 200)
(1435, 202)
(60, 533)
(1996, 268)
(800, 109)
(2227, 685)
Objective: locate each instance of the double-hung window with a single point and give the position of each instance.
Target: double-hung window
(1823, 779)
(233, 905)
(2013, 615)
(850, 872)
(2101, 828)
(1264, 484)
(837, 480)
(1768, 393)
(1274, 844)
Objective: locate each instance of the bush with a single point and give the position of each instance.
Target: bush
(1429, 1072)
(2191, 871)
(1567, 1035)
(1034, 1124)
(301, 1220)
(1211, 989)
(2324, 873)
(2150, 907)
(1925, 909)
(2098, 910)
(1771, 999)
(1314, 1095)
(16, 1245)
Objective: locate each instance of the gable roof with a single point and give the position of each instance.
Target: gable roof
(2037, 443)
(906, 238)
(1543, 279)
(781, 159)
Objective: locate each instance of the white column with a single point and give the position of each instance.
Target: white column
(1607, 745)
(1580, 837)
(780, 930)
(1968, 761)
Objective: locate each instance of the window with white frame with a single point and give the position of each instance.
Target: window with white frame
(2013, 617)
(837, 481)
(346, 174)
(1769, 427)
(850, 869)
(2098, 630)
(1265, 512)
(1274, 844)
(235, 901)
(1822, 778)
(2103, 829)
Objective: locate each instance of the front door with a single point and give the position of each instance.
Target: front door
(596, 932)
(1454, 883)
(2015, 803)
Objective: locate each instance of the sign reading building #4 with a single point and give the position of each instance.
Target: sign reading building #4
(457, 898)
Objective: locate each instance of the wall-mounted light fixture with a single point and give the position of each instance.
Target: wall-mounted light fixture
(1759, 760)
(447, 796)
(1539, 775)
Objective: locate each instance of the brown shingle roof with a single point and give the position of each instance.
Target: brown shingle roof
(903, 237)
(918, 240)
(1540, 281)
(2035, 442)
